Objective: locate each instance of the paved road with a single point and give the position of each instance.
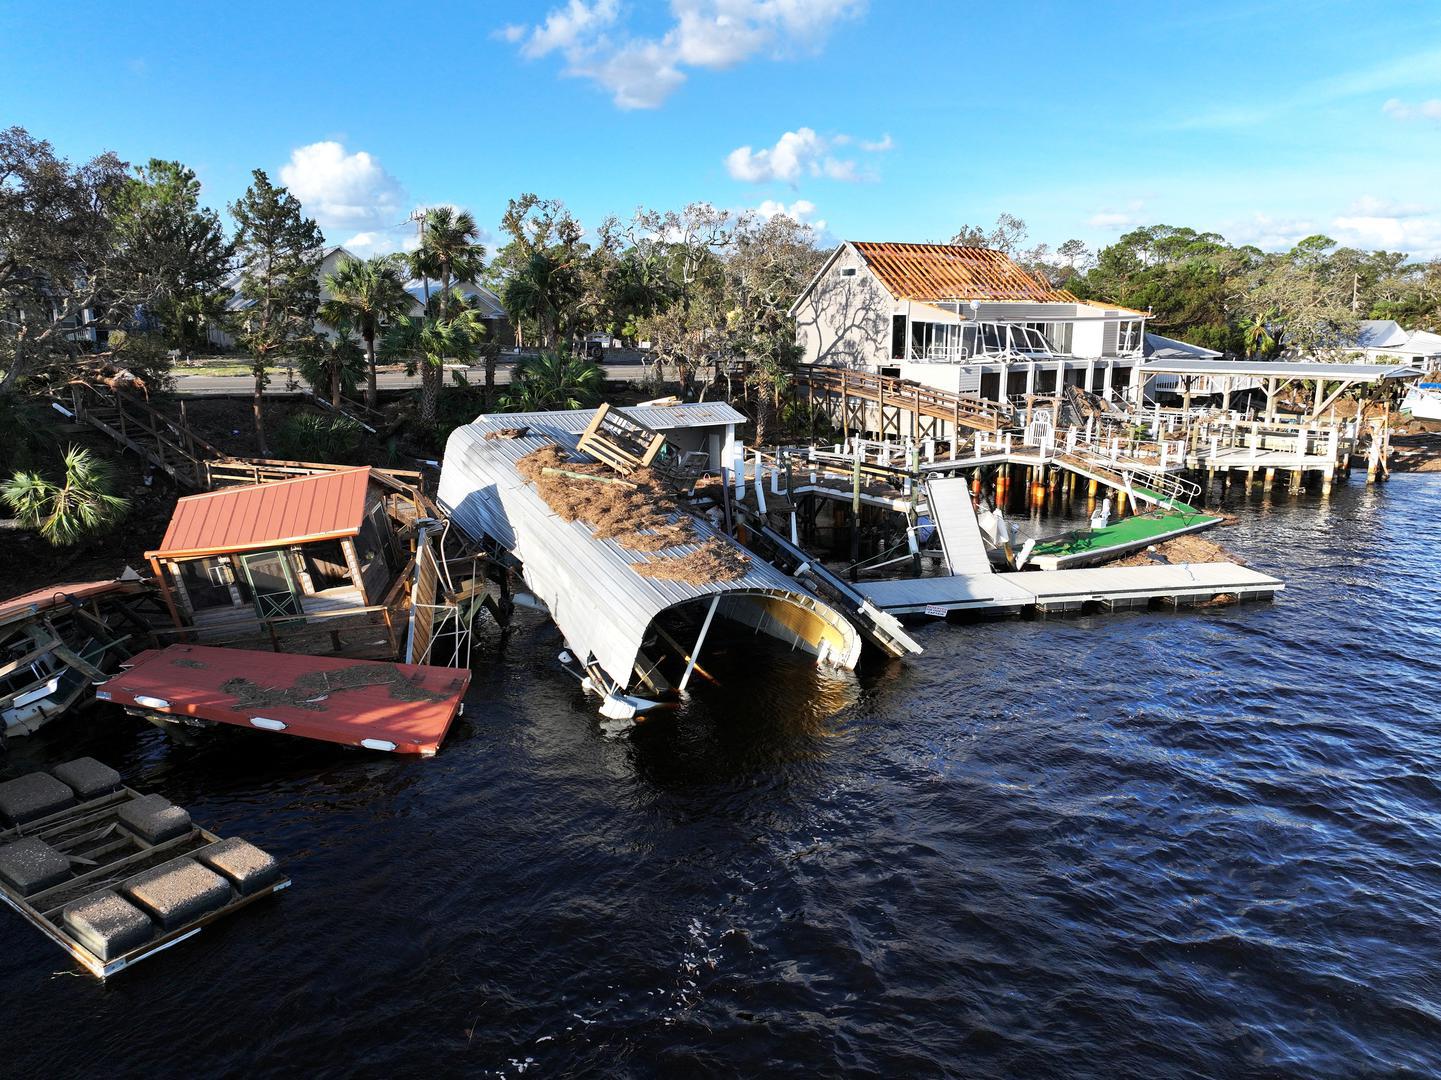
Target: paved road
(230, 385)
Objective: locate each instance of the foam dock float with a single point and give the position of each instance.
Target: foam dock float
(113, 876)
(400, 708)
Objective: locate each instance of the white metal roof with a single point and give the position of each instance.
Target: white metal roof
(1159, 347)
(660, 418)
(602, 606)
(1280, 369)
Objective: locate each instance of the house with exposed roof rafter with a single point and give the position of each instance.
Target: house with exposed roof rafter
(964, 319)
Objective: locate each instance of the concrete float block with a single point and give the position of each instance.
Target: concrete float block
(33, 796)
(88, 778)
(242, 863)
(155, 818)
(107, 924)
(30, 866)
(178, 892)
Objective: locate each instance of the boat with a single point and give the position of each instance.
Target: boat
(56, 642)
(1423, 401)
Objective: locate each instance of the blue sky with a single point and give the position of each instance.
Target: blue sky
(1265, 121)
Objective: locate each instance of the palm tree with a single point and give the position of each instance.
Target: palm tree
(335, 366)
(433, 338)
(81, 506)
(364, 297)
(449, 250)
(544, 289)
(1257, 333)
(769, 376)
(553, 381)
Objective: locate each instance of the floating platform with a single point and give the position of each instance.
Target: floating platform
(1102, 587)
(401, 708)
(1085, 546)
(113, 876)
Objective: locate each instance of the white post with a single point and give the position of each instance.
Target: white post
(760, 483)
(738, 467)
(699, 641)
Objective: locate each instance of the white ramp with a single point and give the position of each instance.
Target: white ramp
(960, 532)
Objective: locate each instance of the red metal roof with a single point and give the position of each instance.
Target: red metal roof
(52, 596)
(319, 507)
(406, 708)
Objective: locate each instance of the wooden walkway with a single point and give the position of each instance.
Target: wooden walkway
(173, 447)
(902, 407)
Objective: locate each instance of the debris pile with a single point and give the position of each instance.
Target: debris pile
(1187, 548)
(637, 512)
(310, 691)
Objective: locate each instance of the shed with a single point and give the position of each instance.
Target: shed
(241, 561)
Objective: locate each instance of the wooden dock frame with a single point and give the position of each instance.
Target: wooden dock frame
(95, 812)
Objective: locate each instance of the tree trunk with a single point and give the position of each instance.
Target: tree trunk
(335, 384)
(258, 404)
(763, 417)
(429, 389)
(492, 353)
(370, 390)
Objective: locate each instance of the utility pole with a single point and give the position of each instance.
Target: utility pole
(418, 216)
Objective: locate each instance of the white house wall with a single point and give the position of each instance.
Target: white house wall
(845, 321)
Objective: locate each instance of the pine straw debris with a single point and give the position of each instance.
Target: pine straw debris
(1188, 548)
(310, 690)
(636, 511)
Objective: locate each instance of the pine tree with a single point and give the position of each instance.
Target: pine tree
(280, 250)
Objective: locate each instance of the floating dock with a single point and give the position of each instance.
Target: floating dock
(1104, 588)
(401, 708)
(113, 876)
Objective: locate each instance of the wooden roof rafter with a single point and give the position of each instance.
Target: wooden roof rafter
(942, 272)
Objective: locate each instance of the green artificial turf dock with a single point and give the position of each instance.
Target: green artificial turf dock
(1130, 532)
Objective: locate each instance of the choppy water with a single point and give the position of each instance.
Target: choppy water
(1149, 844)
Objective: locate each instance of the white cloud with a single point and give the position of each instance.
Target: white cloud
(1419, 237)
(1269, 233)
(1107, 220)
(347, 194)
(565, 29)
(879, 146)
(1132, 216)
(1397, 109)
(642, 71)
(801, 210)
(1392, 73)
(798, 154)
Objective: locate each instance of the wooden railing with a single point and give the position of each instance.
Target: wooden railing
(962, 410)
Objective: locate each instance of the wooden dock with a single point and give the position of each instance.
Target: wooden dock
(1103, 588)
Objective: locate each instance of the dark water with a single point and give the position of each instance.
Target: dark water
(1151, 844)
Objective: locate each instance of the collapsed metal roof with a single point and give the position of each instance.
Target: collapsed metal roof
(602, 606)
(660, 418)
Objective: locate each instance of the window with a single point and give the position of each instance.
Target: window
(898, 337)
(207, 582)
(1128, 336)
(846, 271)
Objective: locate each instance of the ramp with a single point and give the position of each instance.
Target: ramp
(956, 524)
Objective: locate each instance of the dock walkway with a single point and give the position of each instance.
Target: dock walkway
(1106, 588)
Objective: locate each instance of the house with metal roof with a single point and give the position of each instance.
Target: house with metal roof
(492, 312)
(315, 562)
(1382, 340)
(963, 319)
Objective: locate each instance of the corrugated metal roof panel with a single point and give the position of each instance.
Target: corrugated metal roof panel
(52, 596)
(261, 515)
(661, 418)
(602, 606)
